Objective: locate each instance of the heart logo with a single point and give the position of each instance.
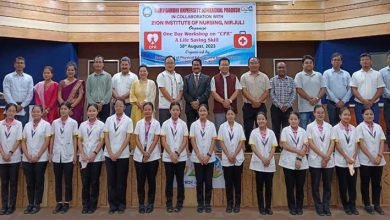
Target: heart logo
(152, 38)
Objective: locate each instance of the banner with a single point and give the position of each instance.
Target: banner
(206, 31)
(189, 174)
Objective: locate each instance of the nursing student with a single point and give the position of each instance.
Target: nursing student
(293, 141)
(321, 160)
(11, 133)
(36, 139)
(263, 142)
(371, 143)
(203, 135)
(146, 157)
(90, 143)
(63, 153)
(232, 140)
(174, 139)
(117, 132)
(346, 143)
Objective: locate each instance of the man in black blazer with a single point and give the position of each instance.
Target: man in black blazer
(196, 91)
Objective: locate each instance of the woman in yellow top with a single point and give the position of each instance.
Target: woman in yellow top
(142, 91)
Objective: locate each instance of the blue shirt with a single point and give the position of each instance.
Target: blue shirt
(386, 79)
(337, 85)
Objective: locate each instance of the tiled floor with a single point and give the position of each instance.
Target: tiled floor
(190, 213)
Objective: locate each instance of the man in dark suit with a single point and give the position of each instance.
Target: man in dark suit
(196, 91)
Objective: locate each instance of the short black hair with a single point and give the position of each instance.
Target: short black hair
(9, 105)
(142, 65)
(222, 59)
(196, 60)
(365, 55)
(258, 60)
(307, 57)
(37, 106)
(148, 103)
(169, 56)
(98, 56)
(337, 54)
(366, 108)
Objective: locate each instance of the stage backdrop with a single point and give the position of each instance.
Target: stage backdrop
(205, 31)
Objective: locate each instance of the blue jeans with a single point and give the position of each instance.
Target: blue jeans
(24, 119)
(386, 111)
(305, 119)
(359, 115)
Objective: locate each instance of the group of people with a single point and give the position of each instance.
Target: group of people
(58, 133)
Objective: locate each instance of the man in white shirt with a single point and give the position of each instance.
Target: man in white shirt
(338, 90)
(385, 71)
(255, 89)
(367, 87)
(170, 85)
(18, 89)
(310, 87)
(121, 84)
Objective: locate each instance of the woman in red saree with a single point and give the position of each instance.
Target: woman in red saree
(45, 94)
(72, 90)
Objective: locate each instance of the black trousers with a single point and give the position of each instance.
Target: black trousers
(264, 179)
(316, 174)
(9, 174)
(386, 111)
(250, 119)
(172, 170)
(279, 120)
(347, 186)
(333, 113)
(63, 170)
(163, 115)
(104, 113)
(204, 183)
(295, 182)
(192, 116)
(232, 177)
(90, 177)
(373, 174)
(35, 181)
(117, 172)
(146, 171)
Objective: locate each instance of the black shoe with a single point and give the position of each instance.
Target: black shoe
(354, 211)
(91, 211)
(84, 211)
(229, 209)
(292, 212)
(3, 211)
(28, 209)
(369, 209)
(269, 211)
(207, 209)
(327, 212)
(141, 209)
(299, 212)
(35, 209)
(149, 208)
(262, 211)
(347, 211)
(58, 208)
(200, 209)
(379, 210)
(169, 209)
(320, 212)
(178, 208)
(65, 208)
(10, 210)
(121, 211)
(236, 209)
(111, 211)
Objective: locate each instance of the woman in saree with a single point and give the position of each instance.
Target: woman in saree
(45, 93)
(142, 91)
(72, 90)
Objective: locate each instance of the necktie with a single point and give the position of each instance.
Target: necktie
(196, 81)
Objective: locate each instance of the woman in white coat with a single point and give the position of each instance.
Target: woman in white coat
(10, 139)
(36, 139)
